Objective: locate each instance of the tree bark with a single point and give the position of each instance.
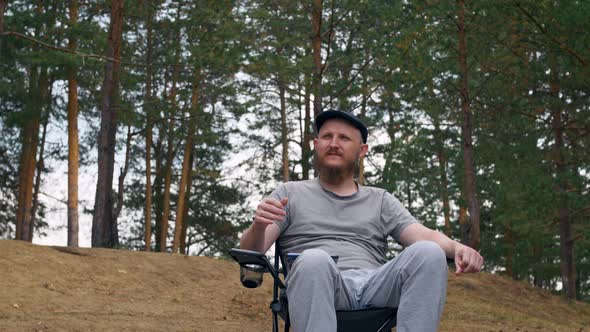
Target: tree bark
(444, 181)
(538, 275)
(148, 130)
(186, 164)
(2, 11)
(182, 197)
(189, 184)
(157, 190)
(284, 130)
(148, 187)
(467, 132)
(410, 199)
(170, 146)
(316, 45)
(388, 165)
(30, 141)
(122, 175)
(509, 244)
(102, 221)
(365, 97)
(307, 133)
(40, 166)
(40, 162)
(28, 158)
(73, 147)
(167, 183)
(566, 244)
(509, 240)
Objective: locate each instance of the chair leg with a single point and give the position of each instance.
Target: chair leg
(381, 329)
(275, 322)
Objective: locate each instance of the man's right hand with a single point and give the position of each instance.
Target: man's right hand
(268, 211)
(259, 236)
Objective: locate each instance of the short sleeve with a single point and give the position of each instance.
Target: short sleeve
(279, 193)
(395, 216)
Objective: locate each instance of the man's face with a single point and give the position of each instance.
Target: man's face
(338, 146)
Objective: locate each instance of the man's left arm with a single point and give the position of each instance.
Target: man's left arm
(467, 260)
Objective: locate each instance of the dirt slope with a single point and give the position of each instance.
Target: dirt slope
(59, 289)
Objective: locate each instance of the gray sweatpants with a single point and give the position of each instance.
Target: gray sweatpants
(415, 281)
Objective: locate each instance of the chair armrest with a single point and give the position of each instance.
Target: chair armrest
(250, 257)
(255, 260)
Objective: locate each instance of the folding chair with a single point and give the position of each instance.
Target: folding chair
(373, 319)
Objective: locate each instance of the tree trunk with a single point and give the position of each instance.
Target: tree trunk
(28, 158)
(467, 132)
(186, 165)
(316, 45)
(388, 165)
(30, 140)
(45, 104)
(444, 182)
(509, 252)
(284, 129)
(122, 175)
(509, 240)
(566, 244)
(538, 275)
(2, 11)
(40, 166)
(189, 184)
(157, 191)
(148, 130)
(307, 133)
(170, 153)
(186, 169)
(167, 183)
(73, 148)
(3, 4)
(148, 187)
(410, 199)
(365, 97)
(102, 221)
(464, 222)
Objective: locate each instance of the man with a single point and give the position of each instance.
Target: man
(333, 215)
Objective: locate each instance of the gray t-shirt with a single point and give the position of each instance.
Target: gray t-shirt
(354, 228)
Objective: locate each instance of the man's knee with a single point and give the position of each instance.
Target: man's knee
(430, 255)
(313, 260)
(314, 263)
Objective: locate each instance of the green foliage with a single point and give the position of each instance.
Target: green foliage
(394, 64)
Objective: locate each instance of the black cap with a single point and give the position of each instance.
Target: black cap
(332, 114)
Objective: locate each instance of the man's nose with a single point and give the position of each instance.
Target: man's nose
(333, 142)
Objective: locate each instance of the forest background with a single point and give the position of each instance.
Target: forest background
(182, 114)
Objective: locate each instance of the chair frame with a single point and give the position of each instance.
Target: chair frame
(279, 303)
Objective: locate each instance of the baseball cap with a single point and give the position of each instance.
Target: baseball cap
(351, 118)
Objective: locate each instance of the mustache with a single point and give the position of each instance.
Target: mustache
(333, 152)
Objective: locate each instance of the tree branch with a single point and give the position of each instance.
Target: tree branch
(555, 40)
(57, 48)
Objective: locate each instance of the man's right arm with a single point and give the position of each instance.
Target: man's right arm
(259, 239)
(264, 232)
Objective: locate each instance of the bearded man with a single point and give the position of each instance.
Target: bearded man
(333, 215)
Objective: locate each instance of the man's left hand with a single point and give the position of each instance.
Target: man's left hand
(467, 260)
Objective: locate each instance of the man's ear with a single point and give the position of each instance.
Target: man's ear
(364, 150)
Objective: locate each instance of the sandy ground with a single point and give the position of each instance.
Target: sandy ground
(60, 289)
